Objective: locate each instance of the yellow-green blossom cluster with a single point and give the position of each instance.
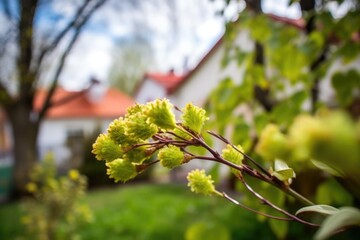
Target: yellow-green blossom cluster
(171, 156)
(127, 142)
(193, 117)
(232, 155)
(201, 183)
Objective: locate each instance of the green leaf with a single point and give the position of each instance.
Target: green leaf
(331, 192)
(284, 112)
(345, 84)
(285, 174)
(215, 172)
(346, 217)
(280, 228)
(326, 168)
(322, 209)
(207, 230)
(282, 171)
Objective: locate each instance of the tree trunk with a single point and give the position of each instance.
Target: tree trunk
(25, 131)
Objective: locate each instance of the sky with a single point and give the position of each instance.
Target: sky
(183, 31)
(199, 28)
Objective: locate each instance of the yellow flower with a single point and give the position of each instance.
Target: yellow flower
(31, 187)
(74, 174)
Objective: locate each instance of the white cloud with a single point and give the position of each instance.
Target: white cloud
(91, 57)
(281, 8)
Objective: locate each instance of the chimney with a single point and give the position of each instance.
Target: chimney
(96, 91)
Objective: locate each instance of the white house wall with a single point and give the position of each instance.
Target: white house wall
(53, 134)
(198, 86)
(149, 91)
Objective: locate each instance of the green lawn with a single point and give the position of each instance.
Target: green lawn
(162, 212)
(151, 212)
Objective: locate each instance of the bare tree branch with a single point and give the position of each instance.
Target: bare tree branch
(56, 41)
(6, 7)
(78, 27)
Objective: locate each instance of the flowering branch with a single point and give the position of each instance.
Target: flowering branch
(151, 129)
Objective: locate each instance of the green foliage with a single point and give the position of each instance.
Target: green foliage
(117, 214)
(288, 121)
(206, 230)
(346, 85)
(345, 217)
(272, 144)
(54, 211)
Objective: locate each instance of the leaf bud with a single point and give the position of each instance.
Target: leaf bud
(160, 113)
(116, 131)
(193, 117)
(137, 127)
(201, 183)
(171, 156)
(232, 155)
(121, 170)
(106, 149)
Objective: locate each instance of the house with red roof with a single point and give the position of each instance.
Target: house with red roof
(196, 84)
(75, 115)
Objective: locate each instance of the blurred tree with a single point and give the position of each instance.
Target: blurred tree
(132, 58)
(287, 73)
(25, 52)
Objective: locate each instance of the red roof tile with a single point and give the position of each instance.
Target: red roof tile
(112, 104)
(169, 80)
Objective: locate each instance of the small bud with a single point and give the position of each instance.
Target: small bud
(201, 183)
(121, 170)
(171, 156)
(106, 149)
(193, 117)
(116, 131)
(160, 113)
(137, 127)
(132, 110)
(232, 155)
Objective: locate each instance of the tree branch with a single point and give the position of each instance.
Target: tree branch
(7, 11)
(62, 34)
(79, 26)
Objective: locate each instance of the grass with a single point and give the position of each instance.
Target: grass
(138, 211)
(161, 212)
(150, 212)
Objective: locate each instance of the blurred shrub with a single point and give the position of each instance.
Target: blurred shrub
(54, 210)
